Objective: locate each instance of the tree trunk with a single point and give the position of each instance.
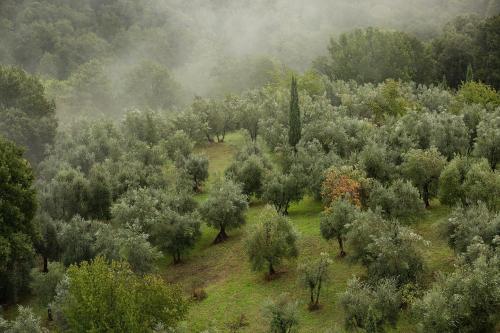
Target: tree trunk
(286, 206)
(177, 257)
(196, 186)
(317, 294)
(45, 264)
(425, 195)
(341, 246)
(271, 270)
(221, 236)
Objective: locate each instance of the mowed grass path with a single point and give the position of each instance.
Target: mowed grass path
(234, 289)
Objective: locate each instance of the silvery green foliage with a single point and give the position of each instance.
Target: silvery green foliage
(282, 314)
(399, 200)
(386, 248)
(335, 221)
(127, 243)
(25, 322)
(370, 307)
(375, 160)
(225, 207)
(488, 138)
(434, 99)
(465, 300)
(314, 275)
(468, 225)
(450, 135)
(271, 241)
(77, 239)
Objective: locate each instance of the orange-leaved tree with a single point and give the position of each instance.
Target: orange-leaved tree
(342, 183)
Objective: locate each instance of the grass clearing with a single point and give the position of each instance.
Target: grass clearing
(234, 289)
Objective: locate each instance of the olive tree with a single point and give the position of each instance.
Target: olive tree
(488, 137)
(399, 200)
(465, 225)
(47, 243)
(282, 314)
(450, 135)
(225, 207)
(482, 184)
(281, 190)
(129, 244)
(175, 233)
(270, 241)
(375, 161)
(370, 308)
(451, 188)
(250, 113)
(385, 248)
(197, 168)
(250, 172)
(335, 220)
(423, 168)
(27, 116)
(465, 300)
(313, 275)
(77, 239)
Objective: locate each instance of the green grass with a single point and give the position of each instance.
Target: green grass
(234, 289)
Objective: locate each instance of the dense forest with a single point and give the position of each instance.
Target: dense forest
(249, 166)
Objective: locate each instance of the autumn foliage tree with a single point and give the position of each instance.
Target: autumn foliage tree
(341, 183)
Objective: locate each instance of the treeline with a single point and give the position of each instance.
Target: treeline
(468, 46)
(103, 57)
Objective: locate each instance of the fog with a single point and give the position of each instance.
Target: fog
(295, 32)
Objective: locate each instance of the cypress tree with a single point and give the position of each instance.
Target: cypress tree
(469, 76)
(294, 130)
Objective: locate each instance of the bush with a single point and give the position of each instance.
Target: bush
(109, 297)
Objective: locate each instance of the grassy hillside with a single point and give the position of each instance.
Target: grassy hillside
(233, 289)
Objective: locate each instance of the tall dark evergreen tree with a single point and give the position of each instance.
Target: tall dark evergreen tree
(469, 76)
(294, 130)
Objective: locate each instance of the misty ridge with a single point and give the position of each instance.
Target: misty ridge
(87, 51)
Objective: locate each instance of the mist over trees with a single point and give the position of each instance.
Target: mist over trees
(197, 166)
